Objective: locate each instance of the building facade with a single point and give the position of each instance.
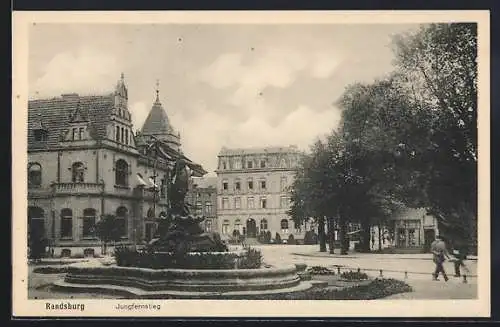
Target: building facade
(85, 161)
(253, 193)
(203, 198)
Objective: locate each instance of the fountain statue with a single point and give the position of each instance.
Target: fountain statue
(180, 232)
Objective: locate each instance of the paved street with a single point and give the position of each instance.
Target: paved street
(418, 267)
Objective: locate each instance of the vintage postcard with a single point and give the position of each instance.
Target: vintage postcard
(211, 164)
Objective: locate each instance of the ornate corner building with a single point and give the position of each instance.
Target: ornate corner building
(84, 161)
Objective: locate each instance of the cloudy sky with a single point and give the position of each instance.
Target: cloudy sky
(221, 85)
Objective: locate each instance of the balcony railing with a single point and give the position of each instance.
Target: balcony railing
(77, 188)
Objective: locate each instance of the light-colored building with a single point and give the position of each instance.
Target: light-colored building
(253, 193)
(203, 198)
(85, 161)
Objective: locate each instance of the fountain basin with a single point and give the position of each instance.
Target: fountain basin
(184, 281)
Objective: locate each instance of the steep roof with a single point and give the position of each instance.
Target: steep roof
(55, 115)
(157, 122)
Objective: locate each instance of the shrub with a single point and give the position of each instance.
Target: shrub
(310, 238)
(51, 270)
(277, 237)
(319, 270)
(252, 259)
(291, 239)
(353, 275)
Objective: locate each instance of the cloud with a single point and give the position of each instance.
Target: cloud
(84, 71)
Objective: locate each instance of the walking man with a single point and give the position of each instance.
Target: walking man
(460, 254)
(439, 252)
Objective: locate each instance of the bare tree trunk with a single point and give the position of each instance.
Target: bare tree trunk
(344, 238)
(321, 234)
(331, 234)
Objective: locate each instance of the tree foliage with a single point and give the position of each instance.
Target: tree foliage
(409, 138)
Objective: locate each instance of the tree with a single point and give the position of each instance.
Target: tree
(107, 230)
(440, 63)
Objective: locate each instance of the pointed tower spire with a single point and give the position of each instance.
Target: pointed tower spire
(157, 91)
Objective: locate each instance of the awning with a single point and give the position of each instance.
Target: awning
(140, 180)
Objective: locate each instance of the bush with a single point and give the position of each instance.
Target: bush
(353, 275)
(310, 238)
(291, 239)
(51, 270)
(319, 270)
(251, 260)
(126, 257)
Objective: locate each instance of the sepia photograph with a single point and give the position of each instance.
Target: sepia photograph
(328, 157)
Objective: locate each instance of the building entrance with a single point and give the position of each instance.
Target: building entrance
(251, 228)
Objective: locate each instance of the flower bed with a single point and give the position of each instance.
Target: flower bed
(51, 270)
(319, 270)
(248, 259)
(353, 276)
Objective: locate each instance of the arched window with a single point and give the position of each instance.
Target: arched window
(117, 134)
(66, 223)
(284, 226)
(263, 224)
(225, 227)
(283, 163)
(34, 175)
(89, 219)
(151, 213)
(121, 173)
(77, 172)
(121, 220)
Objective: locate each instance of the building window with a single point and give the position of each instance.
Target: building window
(263, 185)
(35, 175)
(66, 223)
(208, 225)
(237, 163)
(284, 202)
(89, 218)
(224, 165)
(225, 185)
(283, 163)
(80, 133)
(122, 136)
(250, 203)
(121, 221)
(74, 131)
(237, 185)
(237, 226)
(208, 208)
(408, 233)
(262, 164)
(237, 203)
(249, 164)
(297, 227)
(40, 135)
(225, 227)
(250, 184)
(283, 183)
(225, 203)
(198, 208)
(284, 226)
(77, 172)
(263, 224)
(126, 136)
(263, 203)
(117, 133)
(121, 173)
(150, 213)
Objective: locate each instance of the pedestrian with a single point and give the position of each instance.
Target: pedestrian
(460, 254)
(439, 252)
